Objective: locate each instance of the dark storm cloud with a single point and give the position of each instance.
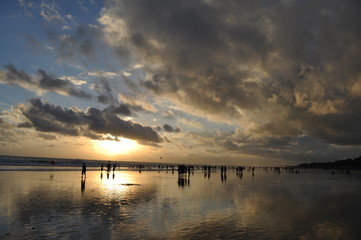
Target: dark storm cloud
(92, 123)
(42, 81)
(169, 128)
(51, 83)
(291, 148)
(15, 76)
(273, 63)
(121, 109)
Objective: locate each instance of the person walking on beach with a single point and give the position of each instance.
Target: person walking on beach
(83, 171)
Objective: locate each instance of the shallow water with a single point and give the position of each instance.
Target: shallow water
(160, 205)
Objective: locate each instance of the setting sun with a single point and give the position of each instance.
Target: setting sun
(124, 146)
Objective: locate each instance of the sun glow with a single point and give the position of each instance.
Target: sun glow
(112, 147)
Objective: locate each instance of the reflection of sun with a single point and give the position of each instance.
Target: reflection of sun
(109, 147)
(118, 182)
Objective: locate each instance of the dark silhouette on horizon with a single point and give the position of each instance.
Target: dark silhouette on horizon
(345, 165)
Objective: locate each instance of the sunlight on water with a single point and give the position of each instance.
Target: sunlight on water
(121, 182)
(133, 205)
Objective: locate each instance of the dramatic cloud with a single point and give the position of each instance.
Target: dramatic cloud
(66, 85)
(92, 123)
(169, 128)
(286, 68)
(276, 79)
(41, 82)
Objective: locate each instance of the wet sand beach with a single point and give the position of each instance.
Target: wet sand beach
(162, 205)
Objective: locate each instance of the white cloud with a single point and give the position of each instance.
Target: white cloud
(73, 80)
(103, 74)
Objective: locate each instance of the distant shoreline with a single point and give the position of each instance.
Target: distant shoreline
(7, 160)
(346, 164)
(66, 162)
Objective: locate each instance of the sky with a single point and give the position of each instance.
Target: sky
(261, 82)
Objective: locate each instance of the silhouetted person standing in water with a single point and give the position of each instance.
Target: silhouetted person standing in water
(83, 171)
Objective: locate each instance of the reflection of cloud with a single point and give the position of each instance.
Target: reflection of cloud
(47, 209)
(325, 230)
(265, 207)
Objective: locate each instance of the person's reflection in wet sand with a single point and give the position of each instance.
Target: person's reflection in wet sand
(183, 180)
(223, 177)
(223, 173)
(101, 175)
(82, 184)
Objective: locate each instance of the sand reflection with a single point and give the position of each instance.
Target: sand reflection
(207, 204)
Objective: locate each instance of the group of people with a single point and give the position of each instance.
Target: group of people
(108, 168)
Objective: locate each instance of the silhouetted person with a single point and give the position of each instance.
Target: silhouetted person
(83, 170)
(101, 167)
(182, 169)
